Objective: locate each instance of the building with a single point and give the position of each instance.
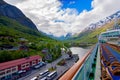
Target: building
(11, 68)
(109, 35)
(47, 56)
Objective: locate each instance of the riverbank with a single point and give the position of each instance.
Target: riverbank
(80, 51)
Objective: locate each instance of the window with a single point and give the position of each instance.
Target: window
(14, 68)
(39, 60)
(23, 66)
(33, 63)
(8, 71)
(28, 64)
(2, 72)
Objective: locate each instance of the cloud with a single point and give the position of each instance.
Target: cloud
(72, 2)
(50, 18)
(14, 1)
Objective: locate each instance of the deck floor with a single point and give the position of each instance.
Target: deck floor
(98, 67)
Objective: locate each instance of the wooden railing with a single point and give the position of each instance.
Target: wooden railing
(73, 70)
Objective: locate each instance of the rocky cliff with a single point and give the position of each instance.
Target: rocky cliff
(14, 13)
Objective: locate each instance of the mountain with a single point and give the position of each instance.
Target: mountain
(18, 41)
(10, 27)
(14, 13)
(90, 34)
(91, 27)
(13, 23)
(19, 37)
(100, 23)
(63, 37)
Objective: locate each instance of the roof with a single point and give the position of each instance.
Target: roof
(18, 62)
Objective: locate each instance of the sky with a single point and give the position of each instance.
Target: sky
(59, 17)
(79, 5)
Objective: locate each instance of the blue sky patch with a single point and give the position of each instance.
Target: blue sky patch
(79, 5)
(59, 21)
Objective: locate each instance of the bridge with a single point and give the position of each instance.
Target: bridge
(102, 62)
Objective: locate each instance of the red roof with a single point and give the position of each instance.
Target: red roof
(18, 62)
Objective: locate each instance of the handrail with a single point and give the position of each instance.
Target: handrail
(84, 71)
(71, 72)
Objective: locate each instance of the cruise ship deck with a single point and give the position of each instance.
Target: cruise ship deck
(102, 62)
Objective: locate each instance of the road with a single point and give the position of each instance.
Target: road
(60, 69)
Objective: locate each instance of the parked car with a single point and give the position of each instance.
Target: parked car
(40, 64)
(34, 78)
(68, 58)
(36, 66)
(44, 78)
(44, 74)
(52, 75)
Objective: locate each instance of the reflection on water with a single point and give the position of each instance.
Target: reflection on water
(80, 51)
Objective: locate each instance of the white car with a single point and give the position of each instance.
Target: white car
(34, 78)
(45, 78)
(44, 74)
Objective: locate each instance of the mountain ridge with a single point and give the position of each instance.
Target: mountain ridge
(89, 35)
(13, 12)
(104, 21)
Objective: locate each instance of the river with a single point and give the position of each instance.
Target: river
(80, 51)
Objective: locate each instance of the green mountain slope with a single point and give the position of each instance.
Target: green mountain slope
(15, 13)
(91, 37)
(11, 26)
(14, 34)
